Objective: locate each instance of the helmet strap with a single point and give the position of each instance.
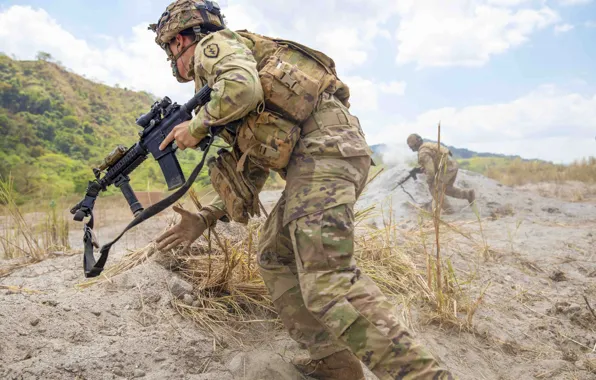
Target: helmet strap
(174, 61)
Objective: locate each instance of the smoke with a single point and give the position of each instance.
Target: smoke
(398, 154)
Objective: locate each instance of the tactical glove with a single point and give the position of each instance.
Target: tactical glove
(189, 228)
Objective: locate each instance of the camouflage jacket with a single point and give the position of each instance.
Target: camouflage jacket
(431, 159)
(225, 61)
(227, 65)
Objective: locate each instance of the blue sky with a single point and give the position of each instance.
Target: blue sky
(508, 76)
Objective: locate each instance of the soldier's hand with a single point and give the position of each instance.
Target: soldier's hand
(182, 135)
(189, 228)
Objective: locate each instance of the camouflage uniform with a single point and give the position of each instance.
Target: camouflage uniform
(429, 158)
(306, 249)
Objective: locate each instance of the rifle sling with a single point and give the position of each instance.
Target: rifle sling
(94, 268)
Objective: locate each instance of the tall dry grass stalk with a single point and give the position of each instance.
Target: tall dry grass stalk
(30, 236)
(445, 289)
(55, 230)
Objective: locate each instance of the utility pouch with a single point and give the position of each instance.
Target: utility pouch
(291, 83)
(267, 139)
(238, 195)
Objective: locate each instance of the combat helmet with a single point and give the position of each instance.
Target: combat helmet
(414, 141)
(202, 16)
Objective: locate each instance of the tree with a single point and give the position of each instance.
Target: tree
(43, 56)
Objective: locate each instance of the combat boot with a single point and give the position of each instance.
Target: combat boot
(471, 196)
(342, 365)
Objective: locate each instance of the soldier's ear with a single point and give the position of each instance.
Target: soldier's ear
(179, 39)
(184, 40)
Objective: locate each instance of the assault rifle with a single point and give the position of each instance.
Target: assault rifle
(411, 174)
(116, 167)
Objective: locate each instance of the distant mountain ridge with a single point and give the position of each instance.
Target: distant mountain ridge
(458, 153)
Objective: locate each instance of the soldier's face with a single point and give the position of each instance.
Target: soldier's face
(176, 46)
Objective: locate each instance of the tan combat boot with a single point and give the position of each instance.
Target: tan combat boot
(471, 197)
(342, 365)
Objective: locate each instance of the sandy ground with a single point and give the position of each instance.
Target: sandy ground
(532, 324)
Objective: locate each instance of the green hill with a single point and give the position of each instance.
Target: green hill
(56, 125)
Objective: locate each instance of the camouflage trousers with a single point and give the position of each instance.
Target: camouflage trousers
(446, 184)
(323, 299)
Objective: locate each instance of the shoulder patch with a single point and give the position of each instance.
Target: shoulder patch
(211, 50)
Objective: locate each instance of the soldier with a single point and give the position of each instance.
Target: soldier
(440, 169)
(306, 250)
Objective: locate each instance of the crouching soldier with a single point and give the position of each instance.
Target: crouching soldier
(441, 170)
(290, 114)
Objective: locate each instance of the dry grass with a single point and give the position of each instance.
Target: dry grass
(447, 293)
(409, 266)
(518, 172)
(19, 289)
(32, 236)
(230, 294)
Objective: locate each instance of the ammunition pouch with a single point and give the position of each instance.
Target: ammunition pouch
(238, 195)
(267, 139)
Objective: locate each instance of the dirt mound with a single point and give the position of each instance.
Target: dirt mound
(536, 255)
(492, 198)
(125, 328)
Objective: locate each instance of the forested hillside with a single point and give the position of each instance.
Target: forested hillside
(56, 125)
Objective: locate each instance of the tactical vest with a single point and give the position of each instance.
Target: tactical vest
(293, 78)
(442, 158)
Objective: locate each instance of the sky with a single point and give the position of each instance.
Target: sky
(502, 76)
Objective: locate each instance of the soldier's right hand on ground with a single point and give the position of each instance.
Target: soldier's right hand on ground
(189, 228)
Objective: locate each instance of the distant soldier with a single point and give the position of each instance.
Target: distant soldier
(293, 117)
(441, 170)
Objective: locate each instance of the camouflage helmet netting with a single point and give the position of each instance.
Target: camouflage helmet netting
(184, 14)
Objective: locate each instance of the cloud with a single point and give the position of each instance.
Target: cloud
(135, 62)
(531, 126)
(429, 32)
(465, 32)
(590, 24)
(395, 88)
(574, 2)
(563, 28)
(346, 31)
(365, 93)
